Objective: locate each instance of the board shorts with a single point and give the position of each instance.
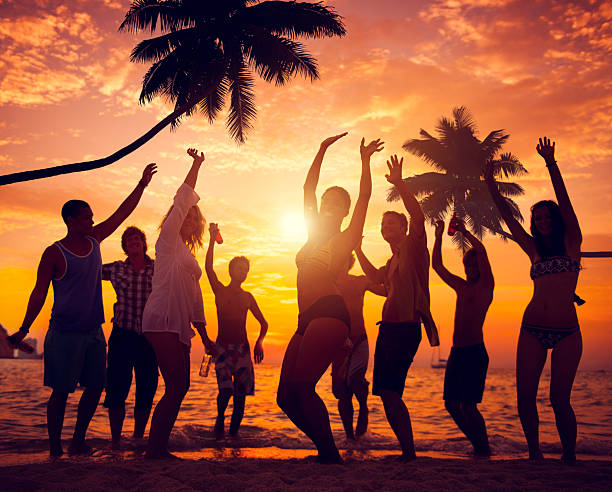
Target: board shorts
(234, 369)
(466, 371)
(72, 358)
(353, 372)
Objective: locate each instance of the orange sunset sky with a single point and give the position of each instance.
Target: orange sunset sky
(533, 67)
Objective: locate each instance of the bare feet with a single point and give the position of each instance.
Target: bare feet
(332, 459)
(362, 422)
(79, 448)
(56, 451)
(219, 428)
(569, 458)
(406, 457)
(536, 456)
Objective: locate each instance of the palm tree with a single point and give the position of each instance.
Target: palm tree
(460, 158)
(207, 52)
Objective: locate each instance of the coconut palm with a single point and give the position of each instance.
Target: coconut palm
(458, 186)
(208, 51)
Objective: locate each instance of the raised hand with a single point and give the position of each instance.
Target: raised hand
(330, 140)
(148, 173)
(197, 159)
(367, 150)
(546, 150)
(395, 170)
(213, 229)
(439, 228)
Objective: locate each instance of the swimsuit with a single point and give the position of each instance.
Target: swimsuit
(332, 306)
(547, 336)
(554, 264)
(234, 369)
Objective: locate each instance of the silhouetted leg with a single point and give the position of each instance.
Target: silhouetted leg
(237, 414)
(173, 359)
(454, 409)
(86, 409)
(56, 407)
(530, 360)
(477, 428)
(361, 393)
(223, 398)
(399, 419)
(116, 417)
(147, 378)
(564, 362)
(141, 417)
(345, 409)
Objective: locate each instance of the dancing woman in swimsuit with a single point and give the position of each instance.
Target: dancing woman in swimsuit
(323, 322)
(550, 320)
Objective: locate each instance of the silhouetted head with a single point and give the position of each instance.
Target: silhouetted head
(470, 264)
(192, 229)
(548, 229)
(239, 268)
(134, 241)
(78, 216)
(393, 226)
(335, 203)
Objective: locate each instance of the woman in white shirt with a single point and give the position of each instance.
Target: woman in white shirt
(175, 304)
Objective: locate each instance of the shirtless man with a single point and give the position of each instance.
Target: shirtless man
(349, 368)
(233, 365)
(406, 282)
(466, 368)
(75, 348)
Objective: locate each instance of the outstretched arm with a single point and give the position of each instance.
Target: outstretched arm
(110, 225)
(417, 219)
(484, 267)
(258, 353)
(572, 228)
(208, 265)
(373, 273)
(312, 179)
(355, 229)
(524, 240)
(46, 269)
(453, 281)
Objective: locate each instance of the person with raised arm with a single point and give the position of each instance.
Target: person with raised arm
(75, 348)
(350, 366)
(233, 364)
(550, 321)
(324, 320)
(406, 280)
(128, 349)
(175, 304)
(466, 368)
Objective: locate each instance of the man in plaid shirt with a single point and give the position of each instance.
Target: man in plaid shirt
(128, 349)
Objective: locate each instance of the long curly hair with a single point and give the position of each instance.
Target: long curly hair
(553, 245)
(194, 242)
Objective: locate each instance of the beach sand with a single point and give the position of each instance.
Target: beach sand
(234, 474)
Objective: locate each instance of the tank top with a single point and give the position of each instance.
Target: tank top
(77, 295)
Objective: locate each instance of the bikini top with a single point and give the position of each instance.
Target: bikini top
(318, 257)
(554, 264)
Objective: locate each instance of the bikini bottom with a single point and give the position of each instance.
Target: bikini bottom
(332, 306)
(547, 336)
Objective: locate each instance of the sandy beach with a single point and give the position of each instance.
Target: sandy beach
(234, 474)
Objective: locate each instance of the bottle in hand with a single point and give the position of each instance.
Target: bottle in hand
(205, 366)
(452, 225)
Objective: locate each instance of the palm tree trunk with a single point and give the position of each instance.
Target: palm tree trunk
(97, 163)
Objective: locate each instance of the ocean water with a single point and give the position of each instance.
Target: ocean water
(23, 434)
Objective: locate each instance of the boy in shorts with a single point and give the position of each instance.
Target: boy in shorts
(349, 369)
(466, 368)
(233, 365)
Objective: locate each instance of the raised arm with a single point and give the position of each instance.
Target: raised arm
(311, 212)
(110, 225)
(417, 219)
(572, 228)
(374, 274)
(46, 269)
(258, 353)
(484, 267)
(192, 175)
(355, 229)
(451, 280)
(524, 240)
(208, 265)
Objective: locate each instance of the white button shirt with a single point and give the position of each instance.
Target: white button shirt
(176, 298)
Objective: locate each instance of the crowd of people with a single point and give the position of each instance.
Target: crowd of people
(159, 303)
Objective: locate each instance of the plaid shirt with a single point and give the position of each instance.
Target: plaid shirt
(132, 289)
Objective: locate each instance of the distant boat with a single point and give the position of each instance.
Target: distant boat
(436, 361)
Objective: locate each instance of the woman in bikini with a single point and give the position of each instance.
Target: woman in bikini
(323, 322)
(550, 320)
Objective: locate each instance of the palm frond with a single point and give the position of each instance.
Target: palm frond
(242, 102)
(464, 119)
(212, 105)
(155, 49)
(510, 165)
(430, 149)
(293, 19)
(492, 144)
(143, 14)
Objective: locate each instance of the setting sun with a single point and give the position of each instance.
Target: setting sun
(293, 227)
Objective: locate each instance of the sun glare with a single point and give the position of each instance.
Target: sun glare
(293, 227)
